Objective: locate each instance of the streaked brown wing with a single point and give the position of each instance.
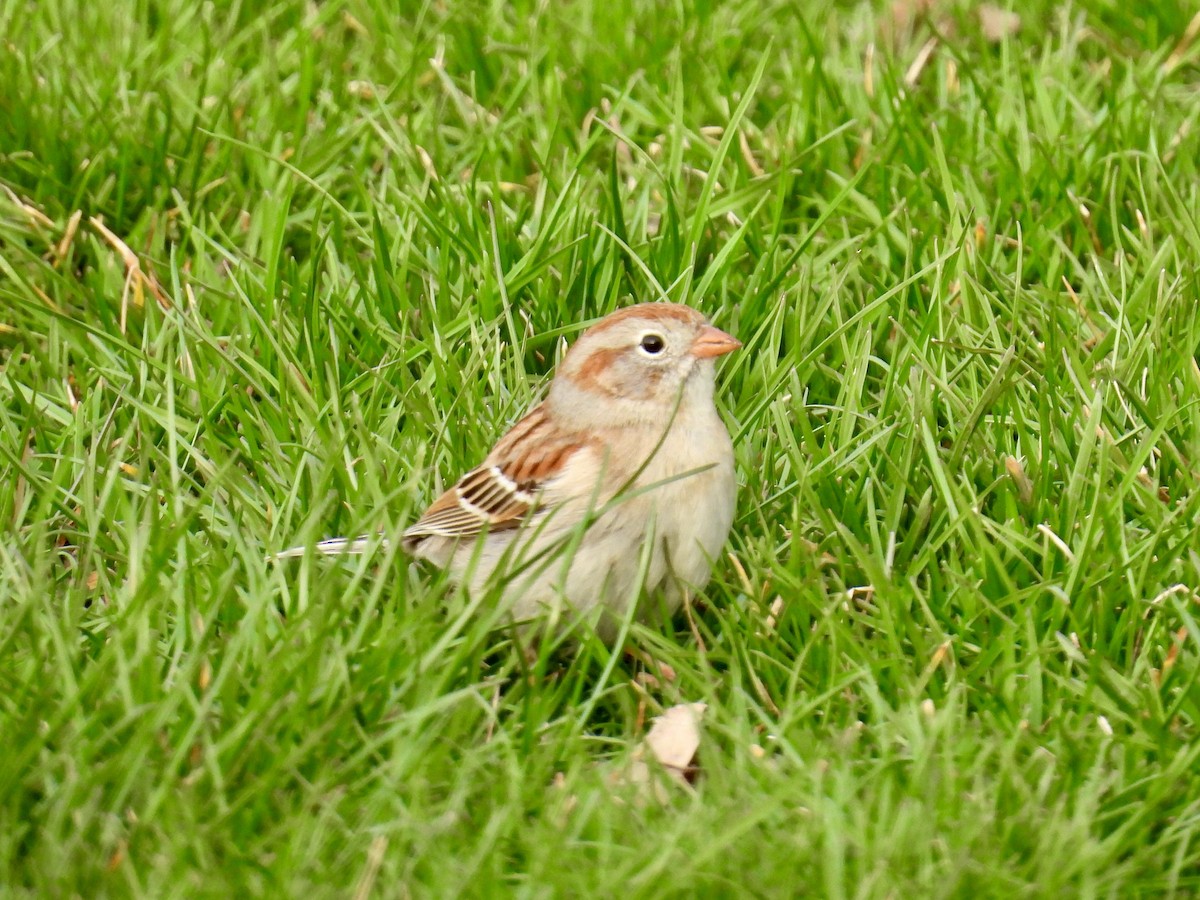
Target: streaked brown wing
(500, 493)
(483, 497)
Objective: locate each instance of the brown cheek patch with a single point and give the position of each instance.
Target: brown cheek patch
(592, 369)
(654, 378)
(596, 372)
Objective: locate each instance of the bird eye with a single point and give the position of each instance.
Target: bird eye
(652, 344)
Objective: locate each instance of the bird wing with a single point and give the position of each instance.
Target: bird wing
(506, 489)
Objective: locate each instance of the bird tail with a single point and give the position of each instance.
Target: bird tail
(334, 547)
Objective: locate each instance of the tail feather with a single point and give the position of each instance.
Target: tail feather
(334, 547)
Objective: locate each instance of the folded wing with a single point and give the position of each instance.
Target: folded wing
(506, 489)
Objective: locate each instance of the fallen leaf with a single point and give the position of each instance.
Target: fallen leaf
(674, 737)
(672, 741)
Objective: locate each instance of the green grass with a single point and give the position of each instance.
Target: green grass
(967, 421)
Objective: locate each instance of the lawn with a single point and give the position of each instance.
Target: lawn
(273, 272)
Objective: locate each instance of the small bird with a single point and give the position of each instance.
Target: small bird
(626, 458)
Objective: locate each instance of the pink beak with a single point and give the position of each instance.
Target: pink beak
(712, 342)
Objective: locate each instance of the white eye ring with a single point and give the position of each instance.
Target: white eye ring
(651, 344)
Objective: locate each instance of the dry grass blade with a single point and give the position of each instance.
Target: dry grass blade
(913, 74)
(137, 279)
(1179, 52)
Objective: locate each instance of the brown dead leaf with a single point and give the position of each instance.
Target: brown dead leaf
(672, 742)
(997, 23)
(1016, 471)
(35, 215)
(60, 249)
(138, 279)
(748, 156)
(674, 738)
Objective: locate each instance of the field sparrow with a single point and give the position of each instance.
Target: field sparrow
(626, 458)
